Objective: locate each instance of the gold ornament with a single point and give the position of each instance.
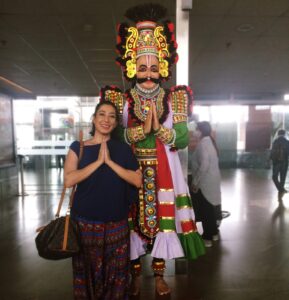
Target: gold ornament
(146, 39)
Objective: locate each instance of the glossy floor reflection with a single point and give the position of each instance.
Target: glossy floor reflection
(251, 261)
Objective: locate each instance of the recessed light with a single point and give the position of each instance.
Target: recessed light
(87, 27)
(245, 27)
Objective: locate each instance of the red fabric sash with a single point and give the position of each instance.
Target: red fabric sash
(164, 177)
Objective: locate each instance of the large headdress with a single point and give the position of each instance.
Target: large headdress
(146, 38)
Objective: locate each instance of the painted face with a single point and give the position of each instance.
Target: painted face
(105, 120)
(147, 66)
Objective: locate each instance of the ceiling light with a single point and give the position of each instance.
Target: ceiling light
(87, 27)
(14, 85)
(245, 27)
(286, 97)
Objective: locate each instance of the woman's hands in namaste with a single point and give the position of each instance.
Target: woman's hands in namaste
(104, 156)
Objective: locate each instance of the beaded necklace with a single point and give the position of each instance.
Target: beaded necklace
(147, 94)
(142, 104)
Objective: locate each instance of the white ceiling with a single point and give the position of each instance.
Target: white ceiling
(239, 49)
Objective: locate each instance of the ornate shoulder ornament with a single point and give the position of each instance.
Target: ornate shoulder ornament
(113, 94)
(182, 101)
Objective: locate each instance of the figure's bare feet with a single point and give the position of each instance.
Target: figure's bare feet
(162, 287)
(134, 288)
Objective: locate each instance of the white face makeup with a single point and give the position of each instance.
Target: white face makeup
(147, 66)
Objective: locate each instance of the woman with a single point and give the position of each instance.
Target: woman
(206, 182)
(106, 177)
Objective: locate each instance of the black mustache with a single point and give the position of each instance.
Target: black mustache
(154, 80)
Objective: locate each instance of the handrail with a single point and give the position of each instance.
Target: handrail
(44, 147)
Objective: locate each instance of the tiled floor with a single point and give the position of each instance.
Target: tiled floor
(251, 261)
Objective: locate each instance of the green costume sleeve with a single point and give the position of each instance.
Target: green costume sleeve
(181, 100)
(148, 143)
(182, 135)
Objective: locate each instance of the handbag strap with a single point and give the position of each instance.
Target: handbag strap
(74, 187)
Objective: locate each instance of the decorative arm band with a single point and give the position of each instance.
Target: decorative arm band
(166, 135)
(178, 118)
(134, 134)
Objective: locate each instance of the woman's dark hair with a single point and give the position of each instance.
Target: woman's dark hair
(206, 130)
(98, 106)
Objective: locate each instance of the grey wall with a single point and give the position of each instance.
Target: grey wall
(226, 139)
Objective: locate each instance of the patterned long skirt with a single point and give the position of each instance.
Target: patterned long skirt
(101, 269)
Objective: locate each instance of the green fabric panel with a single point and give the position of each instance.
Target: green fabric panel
(192, 244)
(183, 201)
(148, 143)
(167, 224)
(182, 135)
(119, 132)
(130, 225)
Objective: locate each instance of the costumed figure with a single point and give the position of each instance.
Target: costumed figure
(154, 123)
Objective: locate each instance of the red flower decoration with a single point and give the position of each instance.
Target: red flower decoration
(171, 26)
(176, 59)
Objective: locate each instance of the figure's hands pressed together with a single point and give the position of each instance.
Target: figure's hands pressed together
(148, 121)
(155, 121)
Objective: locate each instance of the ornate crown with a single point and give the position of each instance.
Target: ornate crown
(146, 38)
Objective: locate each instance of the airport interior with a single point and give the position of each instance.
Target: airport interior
(55, 56)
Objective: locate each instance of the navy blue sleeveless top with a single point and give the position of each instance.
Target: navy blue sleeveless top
(104, 196)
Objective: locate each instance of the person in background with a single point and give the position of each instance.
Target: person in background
(193, 142)
(279, 156)
(154, 123)
(107, 177)
(60, 159)
(206, 182)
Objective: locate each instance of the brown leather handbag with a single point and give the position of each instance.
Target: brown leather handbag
(60, 238)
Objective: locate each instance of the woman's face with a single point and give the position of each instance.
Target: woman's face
(147, 66)
(105, 119)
